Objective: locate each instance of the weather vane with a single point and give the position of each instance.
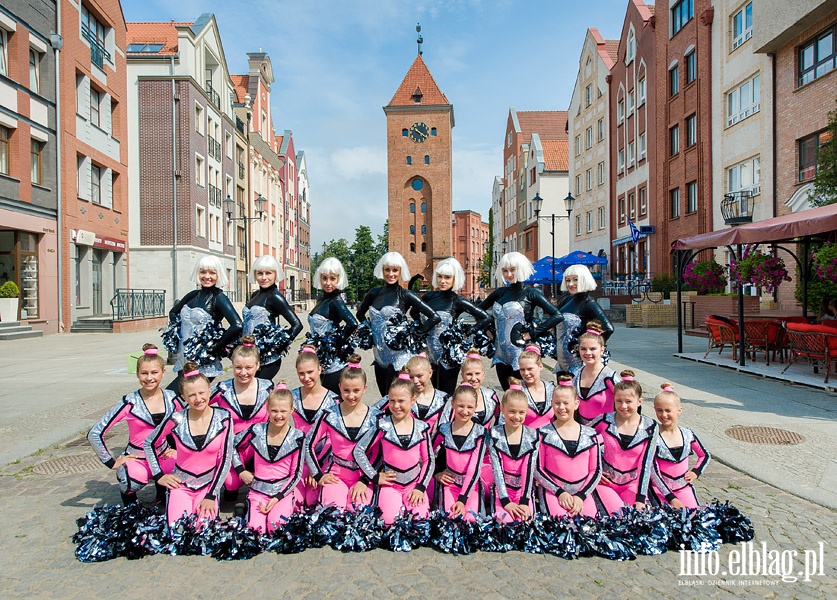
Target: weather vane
(420, 39)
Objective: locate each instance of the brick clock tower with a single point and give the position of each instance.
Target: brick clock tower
(419, 127)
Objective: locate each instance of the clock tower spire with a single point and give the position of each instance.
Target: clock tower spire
(419, 150)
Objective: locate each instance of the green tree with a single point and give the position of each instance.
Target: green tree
(363, 259)
(825, 184)
(382, 247)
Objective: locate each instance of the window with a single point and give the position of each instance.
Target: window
(4, 56)
(640, 100)
(631, 154)
(744, 100)
(404, 132)
(199, 176)
(199, 124)
(641, 146)
(577, 185)
(532, 176)
(621, 163)
(745, 176)
(620, 111)
(691, 67)
(817, 57)
(412, 207)
(412, 246)
(601, 173)
(600, 127)
(228, 144)
(5, 133)
(643, 202)
(37, 165)
(577, 145)
(34, 70)
(601, 217)
(632, 206)
(681, 13)
(691, 197)
(95, 184)
(674, 201)
(427, 159)
(412, 230)
(691, 131)
(673, 80)
(589, 221)
(589, 179)
(674, 140)
(630, 102)
(95, 100)
(433, 131)
(809, 152)
(588, 95)
(200, 221)
(424, 207)
(578, 225)
(589, 137)
(424, 230)
(630, 51)
(424, 246)
(742, 25)
(622, 210)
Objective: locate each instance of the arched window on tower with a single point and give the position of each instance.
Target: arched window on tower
(409, 160)
(427, 159)
(424, 230)
(432, 131)
(423, 246)
(412, 230)
(412, 246)
(412, 207)
(404, 132)
(424, 207)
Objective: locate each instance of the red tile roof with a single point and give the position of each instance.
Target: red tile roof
(556, 155)
(611, 47)
(548, 124)
(164, 32)
(241, 83)
(418, 80)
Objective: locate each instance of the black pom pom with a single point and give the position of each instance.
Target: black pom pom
(202, 348)
(453, 535)
(358, 530)
(335, 346)
(363, 336)
(107, 532)
(231, 539)
(407, 532)
(456, 342)
(272, 341)
(495, 536)
(171, 336)
(403, 334)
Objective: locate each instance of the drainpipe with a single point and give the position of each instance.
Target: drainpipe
(175, 294)
(57, 43)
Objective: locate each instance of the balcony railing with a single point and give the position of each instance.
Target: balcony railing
(214, 196)
(240, 170)
(214, 148)
(239, 124)
(98, 54)
(214, 97)
(128, 304)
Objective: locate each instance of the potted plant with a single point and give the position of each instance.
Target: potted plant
(825, 262)
(705, 277)
(9, 301)
(758, 269)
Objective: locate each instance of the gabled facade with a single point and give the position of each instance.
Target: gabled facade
(470, 240)
(304, 222)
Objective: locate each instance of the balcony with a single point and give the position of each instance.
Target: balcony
(214, 147)
(214, 196)
(239, 124)
(214, 97)
(98, 54)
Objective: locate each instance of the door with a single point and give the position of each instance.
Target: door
(96, 280)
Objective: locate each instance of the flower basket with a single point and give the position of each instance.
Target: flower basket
(761, 270)
(705, 277)
(825, 262)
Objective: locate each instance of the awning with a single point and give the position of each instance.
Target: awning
(814, 221)
(626, 238)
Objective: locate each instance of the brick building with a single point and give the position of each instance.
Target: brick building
(28, 161)
(470, 241)
(633, 141)
(94, 157)
(419, 158)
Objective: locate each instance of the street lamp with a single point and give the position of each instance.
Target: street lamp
(569, 203)
(229, 207)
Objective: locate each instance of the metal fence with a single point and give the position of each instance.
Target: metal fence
(128, 304)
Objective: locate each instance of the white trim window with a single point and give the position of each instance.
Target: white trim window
(589, 179)
(200, 221)
(601, 173)
(588, 137)
(589, 221)
(641, 92)
(578, 145)
(742, 25)
(631, 154)
(621, 163)
(691, 130)
(601, 217)
(600, 128)
(588, 92)
(200, 176)
(745, 176)
(34, 70)
(744, 100)
(620, 111)
(641, 145)
(4, 54)
(577, 185)
(691, 197)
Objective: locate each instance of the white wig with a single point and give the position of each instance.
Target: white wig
(331, 266)
(586, 283)
(392, 259)
(523, 268)
(452, 268)
(266, 262)
(209, 262)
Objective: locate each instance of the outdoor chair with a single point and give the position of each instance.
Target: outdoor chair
(764, 335)
(816, 343)
(723, 332)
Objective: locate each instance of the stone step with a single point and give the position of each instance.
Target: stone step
(7, 324)
(82, 327)
(27, 332)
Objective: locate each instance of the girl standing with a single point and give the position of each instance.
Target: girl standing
(203, 438)
(383, 303)
(336, 432)
(459, 447)
(538, 392)
(265, 307)
(143, 411)
(448, 279)
(276, 447)
(594, 382)
(201, 307)
(245, 398)
(579, 310)
(513, 307)
(513, 448)
(676, 445)
(400, 447)
(629, 444)
(328, 313)
(488, 405)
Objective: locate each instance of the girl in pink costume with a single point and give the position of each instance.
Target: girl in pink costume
(629, 445)
(311, 400)
(675, 478)
(406, 462)
(142, 410)
(569, 459)
(459, 447)
(336, 433)
(277, 448)
(538, 392)
(430, 402)
(245, 397)
(513, 448)
(203, 438)
(487, 411)
(594, 382)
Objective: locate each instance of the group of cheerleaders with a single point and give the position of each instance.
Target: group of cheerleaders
(437, 438)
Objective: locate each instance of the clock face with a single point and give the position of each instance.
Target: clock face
(419, 132)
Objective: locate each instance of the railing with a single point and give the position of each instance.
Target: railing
(98, 54)
(297, 295)
(239, 124)
(214, 97)
(214, 195)
(240, 170)
(214, 148)
(242, 251)
(128, 304)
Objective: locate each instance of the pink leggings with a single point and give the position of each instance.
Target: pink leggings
(450, 496)
(686, 495)
(615, 497)
(305, 495)
(338, 493)
(277, 516)
(233, 482)
(185, 500)
(392, 498)
(515, 496)
(135, 474)
(556, 510)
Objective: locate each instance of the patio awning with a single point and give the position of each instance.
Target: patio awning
(810, 222)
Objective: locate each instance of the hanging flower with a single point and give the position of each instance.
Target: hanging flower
(761, 270)
(706, 277)
(825, 262)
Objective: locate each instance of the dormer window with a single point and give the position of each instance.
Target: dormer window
(417, 96)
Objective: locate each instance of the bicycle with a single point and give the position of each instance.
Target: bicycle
(640, 290)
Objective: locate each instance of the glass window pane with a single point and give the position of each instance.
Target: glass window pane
(825, 45)
(806, 57)
(736, 25)
(756, 89)
(748, 10)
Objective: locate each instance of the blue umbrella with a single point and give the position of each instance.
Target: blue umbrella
(543, 271)
(579, 258)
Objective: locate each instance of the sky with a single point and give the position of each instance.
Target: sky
(338, 62)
